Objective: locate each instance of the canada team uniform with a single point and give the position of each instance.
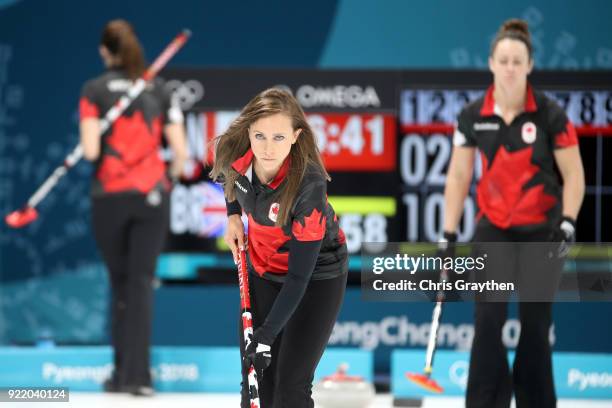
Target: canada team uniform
(297, 278)
(520, 200)
(130, 210)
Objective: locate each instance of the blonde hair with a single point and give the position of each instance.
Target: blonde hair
(234, 143)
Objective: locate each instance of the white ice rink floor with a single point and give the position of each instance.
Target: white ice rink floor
(195, 400)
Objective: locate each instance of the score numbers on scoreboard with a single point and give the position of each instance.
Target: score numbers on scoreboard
(427, 118)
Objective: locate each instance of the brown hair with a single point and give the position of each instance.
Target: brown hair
(514, 29)
(120, 40)
(235, 142)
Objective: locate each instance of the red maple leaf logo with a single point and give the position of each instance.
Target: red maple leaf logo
(313, 228)
(133, 138)
(137, 165)
(501, 193)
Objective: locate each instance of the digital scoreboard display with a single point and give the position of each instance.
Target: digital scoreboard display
(385, 137)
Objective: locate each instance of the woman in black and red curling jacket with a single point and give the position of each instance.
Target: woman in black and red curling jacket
(297, 255)
(523, 138)
(129, 194)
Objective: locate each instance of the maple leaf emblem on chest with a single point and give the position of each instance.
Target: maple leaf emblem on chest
(502, 195)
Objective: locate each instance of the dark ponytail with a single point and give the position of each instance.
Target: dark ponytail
(120, 40)
(514, 29)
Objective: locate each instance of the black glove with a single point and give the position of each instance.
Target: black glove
(446, 244)
(257, 353)
(565, 234)
(446, 249)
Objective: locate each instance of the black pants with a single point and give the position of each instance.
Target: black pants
(490, 383)
(130, 234)
(287, 382)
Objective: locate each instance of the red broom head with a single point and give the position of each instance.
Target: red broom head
(424, 381)
(21, 218)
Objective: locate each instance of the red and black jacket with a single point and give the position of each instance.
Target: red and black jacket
(312, 218)
(519, 187)
(310, 246)
(129, 156)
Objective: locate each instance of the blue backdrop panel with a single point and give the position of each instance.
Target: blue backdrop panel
(174, 369)
(209, 316)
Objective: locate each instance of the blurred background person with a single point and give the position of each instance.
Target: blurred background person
(523, 137)
(129, 193)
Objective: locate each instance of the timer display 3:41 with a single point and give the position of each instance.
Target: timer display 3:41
(350, 141)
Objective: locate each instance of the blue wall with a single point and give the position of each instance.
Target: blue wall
(444, 34)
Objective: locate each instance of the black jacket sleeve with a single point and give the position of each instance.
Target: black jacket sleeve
(233, 208)
(464, 134)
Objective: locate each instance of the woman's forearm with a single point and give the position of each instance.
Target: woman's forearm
(458, 181)
(454, 196)
(573, 192)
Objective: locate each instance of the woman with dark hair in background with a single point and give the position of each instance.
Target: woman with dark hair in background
(521, 135)
(297, 256)
(129, 195)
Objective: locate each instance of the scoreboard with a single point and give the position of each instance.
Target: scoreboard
(385, 137)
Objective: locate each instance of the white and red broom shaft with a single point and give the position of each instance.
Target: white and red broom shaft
(435, 325)
(433, 338)
(247, 325)
(113, 113)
